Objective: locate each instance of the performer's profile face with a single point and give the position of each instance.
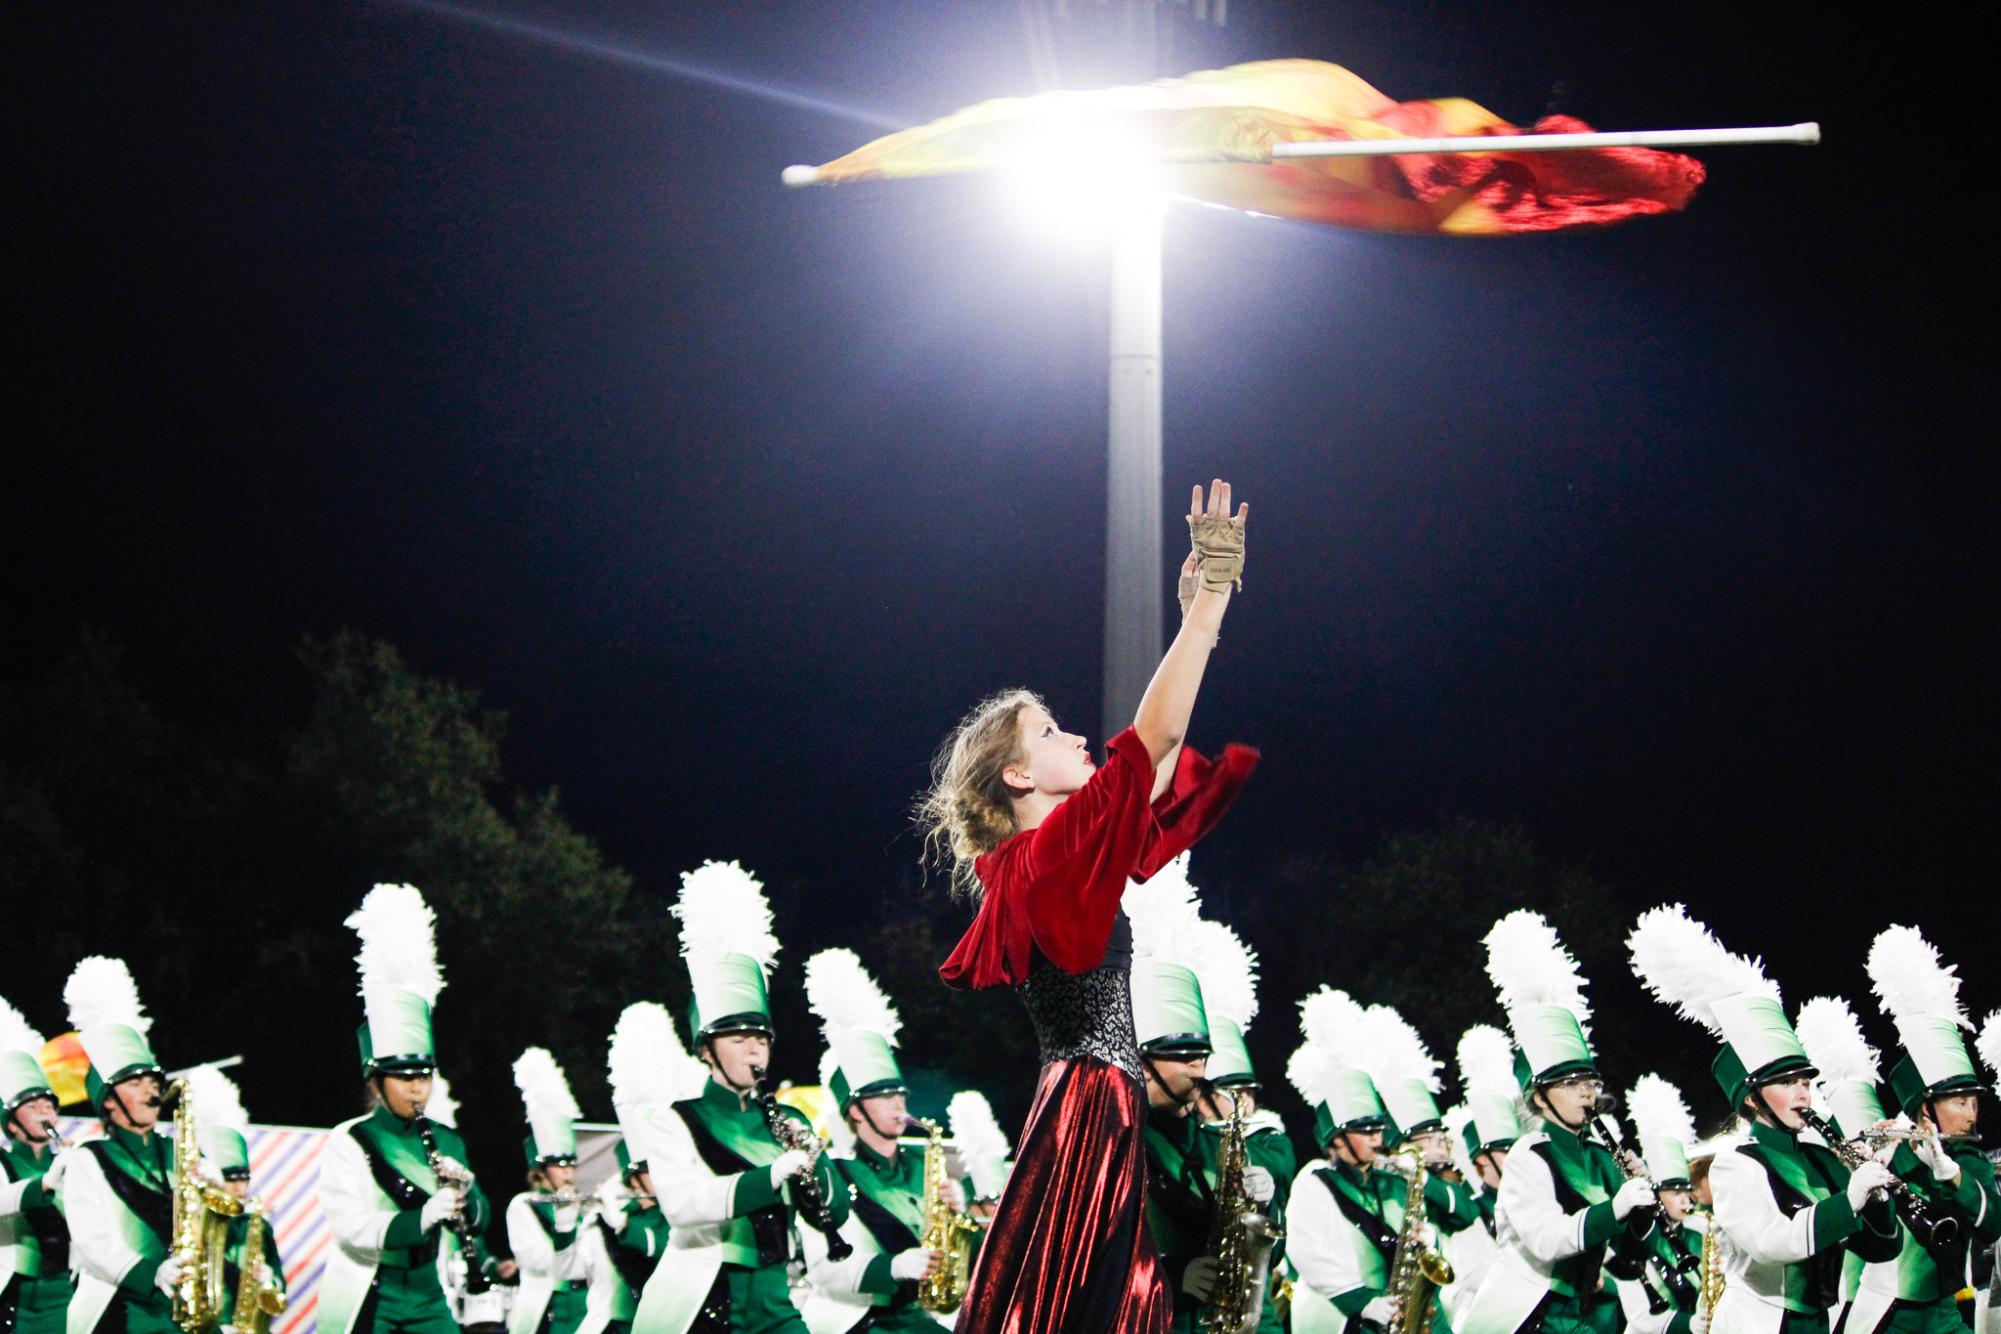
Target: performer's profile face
(405, 1095)
(558, 1176)
(34, 1119)
(1676, 1204)
(135, 1102)
(1956, 1113)
(239, 1187)
(735, 1055)
(1490, 1164)
(1053, 761)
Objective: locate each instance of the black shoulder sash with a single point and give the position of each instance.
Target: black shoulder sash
(1371, 1225)
(768, 1225)
(154, 1208)
(632, 1267)
(402, 1191)
(1823, 1267)
(891, 1233)
(1570, 1201)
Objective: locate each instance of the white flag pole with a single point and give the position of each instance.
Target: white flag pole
(1807, 132)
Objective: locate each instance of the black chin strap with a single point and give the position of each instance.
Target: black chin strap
(1154, 1072)
(1549, 1108)
(716, 1068)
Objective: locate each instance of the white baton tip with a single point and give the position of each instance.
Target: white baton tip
(800, 175)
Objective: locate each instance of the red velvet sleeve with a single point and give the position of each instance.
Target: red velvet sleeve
(1057, 887)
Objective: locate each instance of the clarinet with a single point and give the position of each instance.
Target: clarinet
(812, 1205)
(1933, 1230)
(1614, 1137)
(476, 1280)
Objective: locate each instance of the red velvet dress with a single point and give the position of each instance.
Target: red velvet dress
(1069, 1248)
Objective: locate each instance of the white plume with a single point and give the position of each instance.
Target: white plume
(723, 911)
(16, 1033)
(1163, 913)
(1529, 966)
(1988, 1044)
(1312, 1071)
(1228, 971)
(399, 947)
(840, 991)
(648, 1066)
(1336, 1023)
(1486, 1061)
(1832, 1037)
(1457, 1118)
(1685, 966)
(1395, 1051)
(980, 1140)
(101, 991)
(217, 1100)
(441, 1106)
(545, 1089)
(841, 1135)
(1910, 979)
(1660, 1112)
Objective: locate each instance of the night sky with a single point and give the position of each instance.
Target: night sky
(1671, 541)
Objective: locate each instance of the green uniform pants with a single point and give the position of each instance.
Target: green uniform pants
(909, 1319)
(566, 1309)
(406, 1301)
(1597, 1314)
(1939, 1317)
(40, 1304)
(761, 1301)
(151, 1314)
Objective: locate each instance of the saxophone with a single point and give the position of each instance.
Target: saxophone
(1713, 1277)
(201, 1214)
(1241, 1237)
(946, 1231)
(256, 1300)
(1417, 1270)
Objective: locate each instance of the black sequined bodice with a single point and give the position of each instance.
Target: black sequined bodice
(1087, 1014)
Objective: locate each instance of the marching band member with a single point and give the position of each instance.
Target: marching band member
(1470, 1251)
(34, 1239)
(542, 1226)
(875, 1287)
(1844, 1093)
(1566, 1209)
(484, 1311)
(1936, 1086)
(1661, 1296)
(728, 1184)
(649, 1072)
(624, 1238)
(394, 1183)
(1486, 1062)
(117, 1192)
(983, 1147)
(1345, 1216)
(225, 1152)
(1786, 1209)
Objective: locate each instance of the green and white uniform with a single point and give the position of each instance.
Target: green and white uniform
(622, 1242)
(1266, 1146)
(546, 1236)
(1660, 1296)
(34, 1240)
(226, 1158)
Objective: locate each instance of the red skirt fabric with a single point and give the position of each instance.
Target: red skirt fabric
(1069, 1251)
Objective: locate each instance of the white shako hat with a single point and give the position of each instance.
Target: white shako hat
(1685, 966)
(1665, 1128)
(551, 1107)
(860, 1026)
(21, 1075)
(221, 1124)
(1169, 1017)
(729, 948)
(981, 1141)
(649, 1072)
(1848, 1065)
(400, 980)
(1404, 1072)
(112, 1025)
(1227, 970)
(1486, 1062)
(1542, 991)
(1330, 1069)
(1920, 994)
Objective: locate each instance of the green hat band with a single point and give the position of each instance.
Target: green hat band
(1758, 1032)
(1167, 1007)
(555, 1149)
(1229, 1058)
(1476, 1145)
(1411, 1105)
(1551, 1041)
(862, 1059)
(846, 1092)
(116, 1053)
(627, 1164)
(1854, 1104)
(397, 1034)
(729, 996)
(225, 1149)
(1494, 1120)
(1935, 1046)
(21, 1078)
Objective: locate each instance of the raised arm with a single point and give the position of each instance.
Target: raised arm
(1217, 561)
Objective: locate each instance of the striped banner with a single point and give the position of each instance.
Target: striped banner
(285, 1174)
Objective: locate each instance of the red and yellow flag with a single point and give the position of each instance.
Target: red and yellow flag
(1213, 133)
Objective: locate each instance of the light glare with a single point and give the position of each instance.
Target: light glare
(1077, 181)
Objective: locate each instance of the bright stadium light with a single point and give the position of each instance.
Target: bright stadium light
(1082, 180)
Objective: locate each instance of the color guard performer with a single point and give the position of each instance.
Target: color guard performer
(34, 1239)
(1787, 1209)
(544, 1222)
(394, 1183)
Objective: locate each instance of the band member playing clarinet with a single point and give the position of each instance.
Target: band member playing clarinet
(393, 1183)
(34, 1239)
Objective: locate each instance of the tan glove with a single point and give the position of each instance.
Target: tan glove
(1219, 553)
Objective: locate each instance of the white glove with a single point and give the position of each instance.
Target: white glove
(564, 1216)
(1258, 1184)
(1635, 1194)
(1379, 1311)
(1866, 1180)
(955, 1195)
(52, 1180)
(1699, 1323)
(791, 1163)
(910, 1265)
(1933, 1155)
(167, 1275)
(1198, 1280)
(438, 1208)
